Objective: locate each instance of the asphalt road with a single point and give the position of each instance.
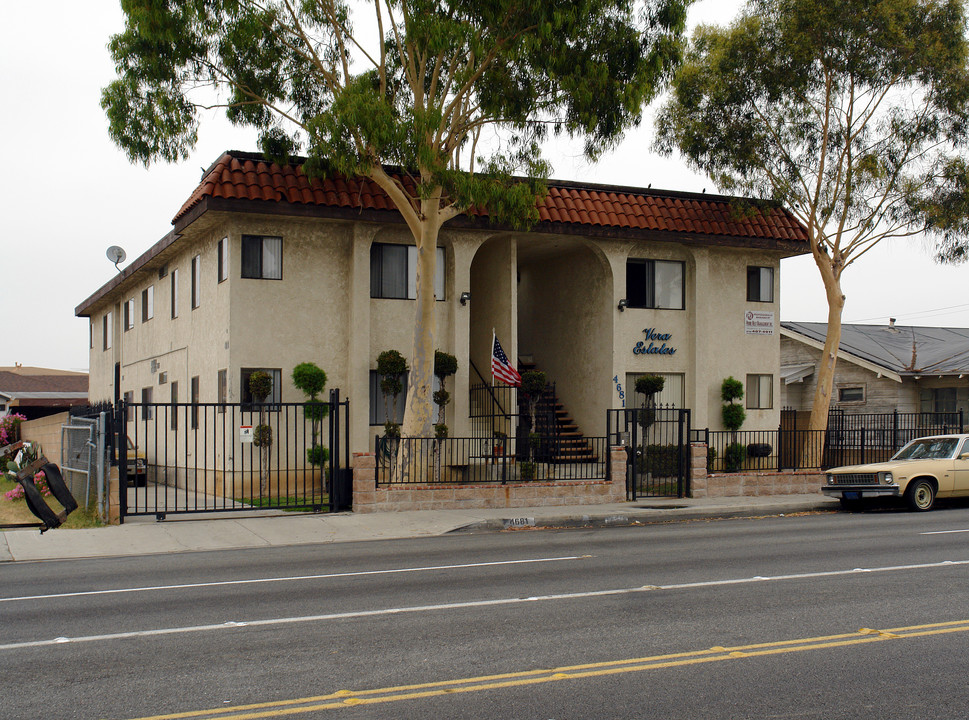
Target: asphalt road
(816, 616)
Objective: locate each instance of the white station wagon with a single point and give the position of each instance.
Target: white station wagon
(923, 470)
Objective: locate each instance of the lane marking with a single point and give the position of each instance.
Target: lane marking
(341, 699)
(235, 624)
(943, 532)
(256, 581)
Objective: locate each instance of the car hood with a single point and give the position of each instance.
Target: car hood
(869, 467)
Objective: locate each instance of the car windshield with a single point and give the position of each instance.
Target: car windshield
(928, 449)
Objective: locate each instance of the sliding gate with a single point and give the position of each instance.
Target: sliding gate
(657, 450)
(177, 458)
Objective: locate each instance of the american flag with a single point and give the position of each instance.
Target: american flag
(501, 369)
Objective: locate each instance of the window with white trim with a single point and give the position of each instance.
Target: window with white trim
(107, 327)
(174, 293)
(393, 272)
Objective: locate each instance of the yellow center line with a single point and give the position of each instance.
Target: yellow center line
(346, 698)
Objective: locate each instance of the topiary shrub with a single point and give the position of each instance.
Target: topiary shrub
(734, 457)
(733, 415)
(391, 366)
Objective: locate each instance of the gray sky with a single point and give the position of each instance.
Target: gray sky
(68, 193)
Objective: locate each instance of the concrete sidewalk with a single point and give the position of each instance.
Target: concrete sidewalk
(258, 529)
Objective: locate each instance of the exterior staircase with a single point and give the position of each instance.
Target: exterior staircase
(563, 441)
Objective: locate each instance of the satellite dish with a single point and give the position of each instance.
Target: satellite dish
(116, 254)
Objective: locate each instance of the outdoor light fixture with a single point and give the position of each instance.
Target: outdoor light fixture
(465, 296)
(623, 304)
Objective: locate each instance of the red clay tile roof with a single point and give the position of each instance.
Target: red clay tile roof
(245, 176)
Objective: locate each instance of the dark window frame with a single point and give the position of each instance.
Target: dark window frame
(147, 303)
(174, 293)
(195, 391)
(245, 397)
(222, 252)
(196, 282)
(756, 288)
(748, 396)
(378, 288)
(253, 257)
(641, 283)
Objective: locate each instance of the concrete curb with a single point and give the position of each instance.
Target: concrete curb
(651, 517)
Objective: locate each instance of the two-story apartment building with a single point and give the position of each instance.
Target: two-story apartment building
(265, 268)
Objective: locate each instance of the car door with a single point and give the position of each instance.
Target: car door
(960, 470)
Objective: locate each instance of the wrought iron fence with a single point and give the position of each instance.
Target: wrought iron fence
(848, 440)
(486, 460)
(205, 457)
(657, 446)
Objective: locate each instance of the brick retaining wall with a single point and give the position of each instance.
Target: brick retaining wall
(367, 498)
(784, 482)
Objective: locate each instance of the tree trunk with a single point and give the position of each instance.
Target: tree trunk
(813, 446)
(418, 418)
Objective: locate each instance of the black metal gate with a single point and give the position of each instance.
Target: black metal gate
(176, 458)
(657, 448)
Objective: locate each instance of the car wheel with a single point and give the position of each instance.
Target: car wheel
(851, 505)
(920, 495)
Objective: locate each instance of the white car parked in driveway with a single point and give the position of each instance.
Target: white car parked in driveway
(926, 468)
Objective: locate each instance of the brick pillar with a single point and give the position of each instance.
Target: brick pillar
(698, 469)
(364, 481)
(114, 496)
(618, 458)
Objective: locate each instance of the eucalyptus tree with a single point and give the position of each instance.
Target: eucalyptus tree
(853, 114)
(456, 94)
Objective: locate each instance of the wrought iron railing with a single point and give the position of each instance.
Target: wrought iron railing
(493, 460)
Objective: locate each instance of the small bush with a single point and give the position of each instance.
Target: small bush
(260, 385)
(262, 436)
(734, 457)
(317, 455)
(440, 431)
(527, 470)
(659, 461)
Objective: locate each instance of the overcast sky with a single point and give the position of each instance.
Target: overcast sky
(68, 193)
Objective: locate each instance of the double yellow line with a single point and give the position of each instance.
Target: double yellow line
(348, 698)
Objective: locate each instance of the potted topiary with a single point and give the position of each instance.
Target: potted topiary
(311, 380)
(733, 416)
(261, 387)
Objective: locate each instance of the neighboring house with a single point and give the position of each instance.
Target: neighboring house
(264, 269)
(37, 392)
(880, 368)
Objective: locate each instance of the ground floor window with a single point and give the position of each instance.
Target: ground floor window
(380, 410)
(760, 392)
(673, 394)
(938, 400)
(146, 408)
(851, 394)
(274, 396)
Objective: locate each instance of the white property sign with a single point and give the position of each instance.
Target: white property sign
(245, 433)
(758, 323)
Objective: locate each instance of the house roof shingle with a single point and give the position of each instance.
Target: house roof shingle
(904, 349)
(245, 176)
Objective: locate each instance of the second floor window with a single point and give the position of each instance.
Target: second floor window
(760, 284)
(148, 303)
(655, 284)
(223, 253)
(129, 314)
(262, 257)
(393, 272)
(196, 281)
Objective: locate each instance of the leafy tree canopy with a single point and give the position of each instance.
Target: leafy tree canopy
(853, 114)
(412, 83)
(457, 94)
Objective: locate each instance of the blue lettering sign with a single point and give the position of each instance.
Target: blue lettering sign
(652, 337)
